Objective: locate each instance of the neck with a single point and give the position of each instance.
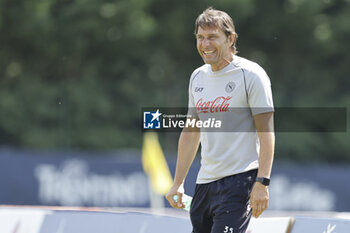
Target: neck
(225, 62)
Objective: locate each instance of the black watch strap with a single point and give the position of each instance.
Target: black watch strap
(263, 180)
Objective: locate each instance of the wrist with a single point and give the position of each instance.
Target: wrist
(178, 184)
(263, 180)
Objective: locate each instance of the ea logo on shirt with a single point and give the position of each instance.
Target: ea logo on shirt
(198, 89)
(230, 87)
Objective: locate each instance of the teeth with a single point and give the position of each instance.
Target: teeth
(208, 52)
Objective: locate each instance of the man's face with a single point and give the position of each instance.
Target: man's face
(214, 47)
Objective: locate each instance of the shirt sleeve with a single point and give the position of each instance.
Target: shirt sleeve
(259, 92)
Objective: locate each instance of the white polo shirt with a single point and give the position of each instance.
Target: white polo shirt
(234, 95)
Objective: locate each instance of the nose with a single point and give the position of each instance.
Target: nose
(205, 42)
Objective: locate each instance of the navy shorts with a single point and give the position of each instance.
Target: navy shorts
(221, 206)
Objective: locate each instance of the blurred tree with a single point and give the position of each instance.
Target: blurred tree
(75, 73)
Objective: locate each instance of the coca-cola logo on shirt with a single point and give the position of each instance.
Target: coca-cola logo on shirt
(220, 104)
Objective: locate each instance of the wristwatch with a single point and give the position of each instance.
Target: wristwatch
(263, 180)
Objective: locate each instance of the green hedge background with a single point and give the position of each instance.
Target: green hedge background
(74, 74)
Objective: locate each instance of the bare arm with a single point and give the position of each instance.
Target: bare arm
(265, 128)
(187, 149)
(260, 193)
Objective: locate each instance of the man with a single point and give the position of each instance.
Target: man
(232, 183)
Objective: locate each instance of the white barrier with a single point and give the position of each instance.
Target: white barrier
(270, 225)
(320, 225)
(29, 220)
(20, 220)
(63, 220)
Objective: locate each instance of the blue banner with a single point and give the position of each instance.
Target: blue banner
(117, 179)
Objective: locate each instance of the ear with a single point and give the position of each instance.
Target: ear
(232, 39)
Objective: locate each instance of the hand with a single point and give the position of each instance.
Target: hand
(259, 199)
(179, 191)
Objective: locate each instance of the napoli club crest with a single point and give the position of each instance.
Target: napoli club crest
(230, 87)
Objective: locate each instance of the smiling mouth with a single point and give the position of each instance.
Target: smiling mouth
(208, 52)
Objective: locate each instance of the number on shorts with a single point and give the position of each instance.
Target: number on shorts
(228, 229)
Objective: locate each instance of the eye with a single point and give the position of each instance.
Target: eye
(199, 37)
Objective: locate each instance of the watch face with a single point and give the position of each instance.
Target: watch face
(263, 180)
